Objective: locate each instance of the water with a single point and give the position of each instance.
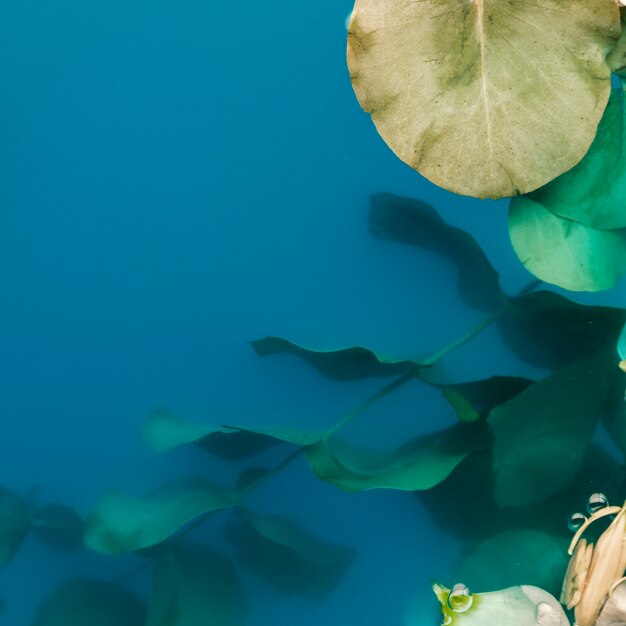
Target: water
(177, 179)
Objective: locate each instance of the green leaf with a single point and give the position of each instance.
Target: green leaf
(621, 344)
(193, 586)
(593, 192)
(83, 601)
(122, 523)
(339, 363)
(14, 524)
(417, 223)
(420, 464)
(473, 399)
(470, 94)
(516, 557)
(524, 605)
(541, 435)
(548, 330)
(59, 527)
(564, 252)
(163, 431)
(287, 557)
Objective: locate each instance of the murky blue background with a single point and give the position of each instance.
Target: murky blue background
(176, 179)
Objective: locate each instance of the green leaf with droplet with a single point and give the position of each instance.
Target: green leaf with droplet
(563, 252)
(523, 605)
(14, 524)
(286, 556)
(540, 436)
(338, 363)
(471, 95)
(122, 523)
(194, 586)
(418, 224)
(83, 602)
(420, 464)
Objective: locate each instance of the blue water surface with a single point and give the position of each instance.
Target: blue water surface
(177, 179)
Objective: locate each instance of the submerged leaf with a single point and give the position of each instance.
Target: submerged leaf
(563, 252)
(524, 605)
(124, 523)
(515, 557)
(548, 330)
(287, 557)
(420, 464)
(417, 223)
(474, 399)
(59, 527)
(470, 93)
(340, 363)
(14, 524)
(193, 586)
(84, 601)
(593, 192)
(541, 435)
(163, 431)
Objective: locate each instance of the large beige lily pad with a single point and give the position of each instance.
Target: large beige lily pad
(481, 96)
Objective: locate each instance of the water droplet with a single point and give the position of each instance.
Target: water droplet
(575, 521)
(460, 599)
(596, 502)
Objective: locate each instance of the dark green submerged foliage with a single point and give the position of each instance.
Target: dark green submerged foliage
(519, 460)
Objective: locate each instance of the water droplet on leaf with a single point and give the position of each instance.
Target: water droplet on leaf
(460, 599)
(596, 502)
(575, 521)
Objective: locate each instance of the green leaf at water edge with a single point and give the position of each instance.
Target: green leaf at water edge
(594, 191)
(339, 363)
(417, 223)
(471, 94)
(516, 557)
(564, 252)
(14, 524)
(286, 556)
(193, 586)
(420, 464)
(163, 431)
(123, 523)
(541, 435)
(524, 605)
(86, 602)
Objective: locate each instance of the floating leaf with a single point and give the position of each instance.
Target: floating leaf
(340, 363)
(83, 601)
(548, 330)
(524, 605)
(14, 524)
(471, 94)
(124, 523)
(541, 435)
(59, 527)
(593, 192)
(417, 223)
(163, 431)
(473, 399)
(287, 557)
(563, 252)
(193, 586)
(422, 463)
(515, 557)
